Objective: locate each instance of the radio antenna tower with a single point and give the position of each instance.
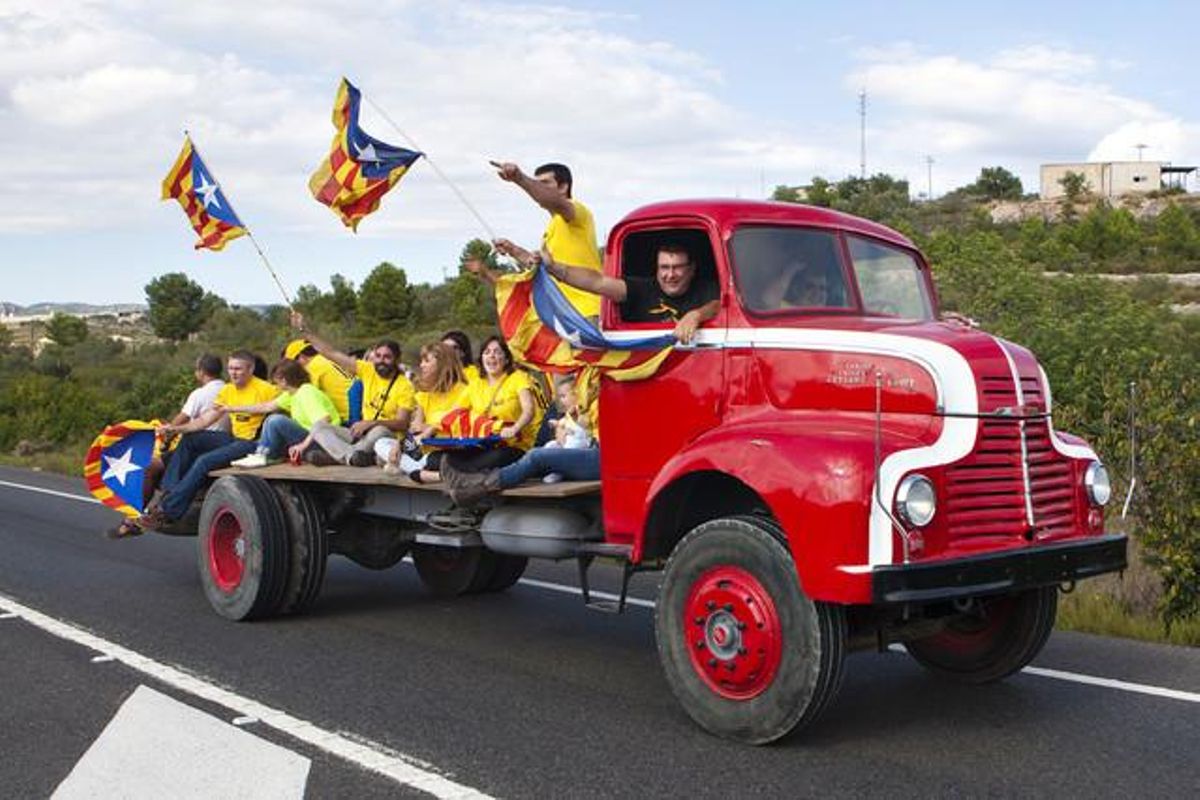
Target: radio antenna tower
(862, 134)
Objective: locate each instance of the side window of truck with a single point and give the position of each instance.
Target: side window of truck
(889, 280)
(780, 269)
(639, 255)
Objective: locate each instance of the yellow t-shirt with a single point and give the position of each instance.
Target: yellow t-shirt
(326, 376)
(503, 402)
(574, 243)
(435, 405)
(245, 426)
(375, 404)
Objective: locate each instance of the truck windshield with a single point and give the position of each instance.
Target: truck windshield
(889, 280)
(784, 269)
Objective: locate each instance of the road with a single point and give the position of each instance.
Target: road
(383, 691)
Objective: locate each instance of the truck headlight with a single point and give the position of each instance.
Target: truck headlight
(915, 501)
(1099, 487)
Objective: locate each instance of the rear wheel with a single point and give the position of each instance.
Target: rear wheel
(992, 638)
(451, 571)
(243, 548)
(747, 654)
(509, 570)
(309, 547)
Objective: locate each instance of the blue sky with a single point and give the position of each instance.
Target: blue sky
(644, 101)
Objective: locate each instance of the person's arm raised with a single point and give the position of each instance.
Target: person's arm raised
(545, 196)
(345, 362)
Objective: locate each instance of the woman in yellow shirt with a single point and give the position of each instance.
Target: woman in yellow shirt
(441, 389)
(506, 394)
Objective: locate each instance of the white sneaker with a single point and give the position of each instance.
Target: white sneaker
(553, 477)
(251, 461)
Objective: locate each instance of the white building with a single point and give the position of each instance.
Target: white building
(1114, 178)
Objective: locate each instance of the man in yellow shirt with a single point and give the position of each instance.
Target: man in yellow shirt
(324, 374)
(571, 233)
(387, 401)
(200, 451)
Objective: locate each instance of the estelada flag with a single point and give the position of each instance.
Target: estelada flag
(360, 169)
(115, 467)
(190, 182)
(546, 332)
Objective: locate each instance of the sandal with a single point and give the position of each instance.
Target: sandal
(126, 530)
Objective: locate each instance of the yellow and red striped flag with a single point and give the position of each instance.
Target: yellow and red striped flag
(360, 169)
(546, 332)
(190, 182)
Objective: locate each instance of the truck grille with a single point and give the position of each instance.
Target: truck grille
(985, 493)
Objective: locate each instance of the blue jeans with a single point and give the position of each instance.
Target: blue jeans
(279, 432)
(574, 465)
(198, 453)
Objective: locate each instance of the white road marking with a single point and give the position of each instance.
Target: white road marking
(1092, 680)
(85, 498)
(102, 659)
(1109, 683)
(240, 721)
(8, 616)
(1071, 677)
(156, 746)
(575, 590)
(369, 755)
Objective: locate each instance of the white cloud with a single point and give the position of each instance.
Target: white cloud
(110, 91)
(1019, 108)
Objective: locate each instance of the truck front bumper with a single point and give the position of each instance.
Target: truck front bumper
(999, 573)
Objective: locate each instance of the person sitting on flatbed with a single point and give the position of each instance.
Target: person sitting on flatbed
(388, 402)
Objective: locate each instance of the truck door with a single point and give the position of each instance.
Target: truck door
(646, 422)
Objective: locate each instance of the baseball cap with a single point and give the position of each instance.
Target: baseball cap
(295, 348)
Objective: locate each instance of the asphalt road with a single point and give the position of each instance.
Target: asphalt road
(529, 694)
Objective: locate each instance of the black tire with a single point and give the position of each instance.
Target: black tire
(309, 547)
(452, 571)
(243, 548)
(998, 637)
(746, 653)
(509, 570)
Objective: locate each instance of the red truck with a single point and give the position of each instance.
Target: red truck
(827, 466)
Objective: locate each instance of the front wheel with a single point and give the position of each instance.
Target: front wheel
(747, 654)
(992, 638)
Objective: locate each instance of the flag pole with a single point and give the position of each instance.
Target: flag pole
(249, 234)
(453, 187)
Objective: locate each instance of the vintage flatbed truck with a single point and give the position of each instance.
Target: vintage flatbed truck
(814, 473)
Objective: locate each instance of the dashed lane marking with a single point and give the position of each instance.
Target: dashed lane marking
(370, 756)
(1071, 677)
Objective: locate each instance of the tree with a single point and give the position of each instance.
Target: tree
(996, 183)
(385, 301)
(66, 330)
(472, 302)
(6, 337)
(1175, 235)
(179, 306)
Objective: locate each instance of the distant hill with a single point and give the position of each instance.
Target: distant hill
(78, 309)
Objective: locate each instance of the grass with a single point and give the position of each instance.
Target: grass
(1113, 605)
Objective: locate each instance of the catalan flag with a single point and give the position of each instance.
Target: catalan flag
(190, 182)
(115, 466)
(545, 331)
(360, 169)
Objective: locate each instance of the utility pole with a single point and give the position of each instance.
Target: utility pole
(862, 134)
(929, 177)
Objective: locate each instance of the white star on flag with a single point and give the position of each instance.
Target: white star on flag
(573, 337)
(368, 153)
(208, 191)
(120, 467)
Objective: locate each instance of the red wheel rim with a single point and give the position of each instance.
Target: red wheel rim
(732, 633)
(226, 551)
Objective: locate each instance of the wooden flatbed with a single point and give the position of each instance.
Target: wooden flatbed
(375, 476)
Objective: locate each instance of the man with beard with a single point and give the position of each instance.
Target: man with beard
(388, 401)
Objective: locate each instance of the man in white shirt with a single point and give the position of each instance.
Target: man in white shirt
(208, 379)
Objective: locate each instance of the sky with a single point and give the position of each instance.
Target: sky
(645, 102)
